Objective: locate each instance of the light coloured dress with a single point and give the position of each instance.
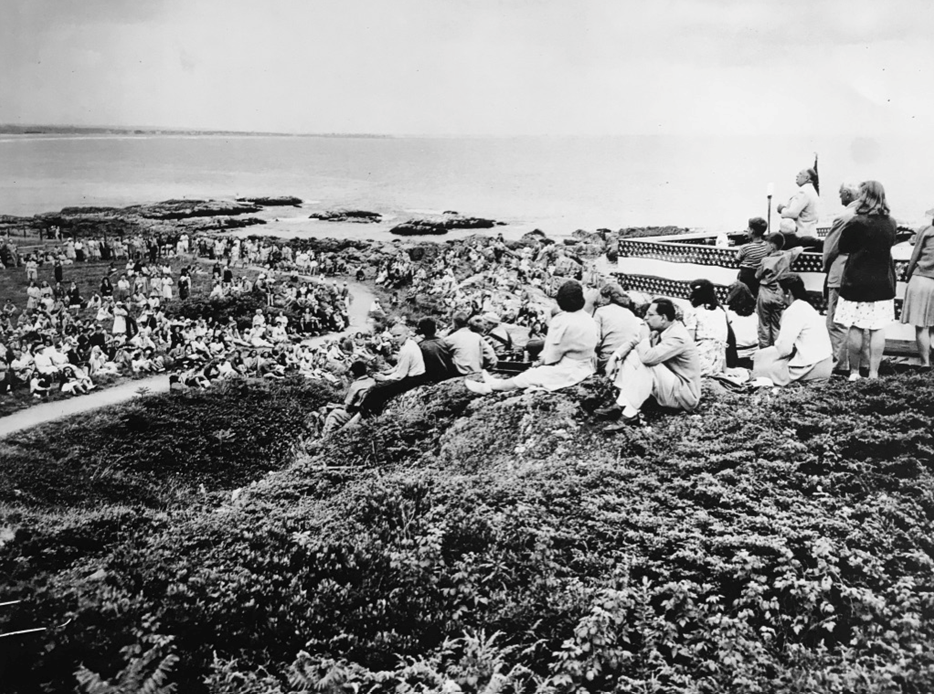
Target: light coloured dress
(709, 330)
(569, 353)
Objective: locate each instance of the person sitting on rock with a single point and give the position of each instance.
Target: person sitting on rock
(469, 350)
(803, 351)
(341, 416)
(435, 351)
(616, 323)
(665, 365)
(408, 373)
(568, 355)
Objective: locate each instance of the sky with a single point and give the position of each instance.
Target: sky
(473, 67)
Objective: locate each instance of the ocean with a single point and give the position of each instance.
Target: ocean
(556, 184)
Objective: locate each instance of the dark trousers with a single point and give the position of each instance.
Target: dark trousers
(384, 391)
(747, 275)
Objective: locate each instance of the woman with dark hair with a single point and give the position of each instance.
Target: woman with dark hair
(709, 326)
(867, 289)
(569, 352)
(802, 351)
(741, 310)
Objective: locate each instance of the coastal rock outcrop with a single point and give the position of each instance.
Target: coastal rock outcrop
(355, 216)
(442, 225)
(183, 209)
(277, 201)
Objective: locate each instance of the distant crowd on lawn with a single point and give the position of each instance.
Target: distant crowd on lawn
(134, 322)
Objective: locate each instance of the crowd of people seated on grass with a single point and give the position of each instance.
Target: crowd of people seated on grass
(661, 347)
(59, 339)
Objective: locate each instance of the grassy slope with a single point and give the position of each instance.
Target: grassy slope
(767, 543)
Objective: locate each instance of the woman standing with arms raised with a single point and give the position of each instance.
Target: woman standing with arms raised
(867, 290)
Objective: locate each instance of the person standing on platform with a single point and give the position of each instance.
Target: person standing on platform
(802, 208)
(750, 255)
(771, 302)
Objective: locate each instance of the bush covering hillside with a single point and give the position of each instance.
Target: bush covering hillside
(773, 543)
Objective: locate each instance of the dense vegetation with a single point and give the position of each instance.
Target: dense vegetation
(158, 450)
(770, 542)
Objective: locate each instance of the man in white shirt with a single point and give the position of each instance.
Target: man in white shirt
(408, 373)
(802, 207)
(802, 351)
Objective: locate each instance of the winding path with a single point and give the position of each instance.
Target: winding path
(51, 411)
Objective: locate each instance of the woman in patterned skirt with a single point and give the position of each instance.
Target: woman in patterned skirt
(867, 290)
(918, 309)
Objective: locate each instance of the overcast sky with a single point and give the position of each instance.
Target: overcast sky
(484, 67)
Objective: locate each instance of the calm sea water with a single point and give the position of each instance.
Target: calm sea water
(555, 184)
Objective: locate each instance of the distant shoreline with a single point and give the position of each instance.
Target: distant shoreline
(7, 129)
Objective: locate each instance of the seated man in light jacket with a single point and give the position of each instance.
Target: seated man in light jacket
(666, 365)
(802, 351)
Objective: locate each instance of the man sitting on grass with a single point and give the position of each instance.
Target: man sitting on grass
(666, 365)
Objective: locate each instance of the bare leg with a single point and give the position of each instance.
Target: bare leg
(876, 348)
(923, 338)
(854, 347)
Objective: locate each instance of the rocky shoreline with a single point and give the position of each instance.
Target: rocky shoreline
(218, 216)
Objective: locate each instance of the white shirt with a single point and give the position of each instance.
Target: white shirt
(411, 362)
(804, 330)
(802, 207)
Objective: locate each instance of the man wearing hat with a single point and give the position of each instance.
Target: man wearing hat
(497, 335)
(770, 303)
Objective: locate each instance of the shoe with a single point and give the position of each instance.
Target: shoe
(610, 412)
(486, 376)
(854, 377)
(478, 388)
(624, 423)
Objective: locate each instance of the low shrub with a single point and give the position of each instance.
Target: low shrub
(160, 450)
(766, 543)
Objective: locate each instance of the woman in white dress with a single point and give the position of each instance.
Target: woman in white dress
(568, 355)
(709, 326)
